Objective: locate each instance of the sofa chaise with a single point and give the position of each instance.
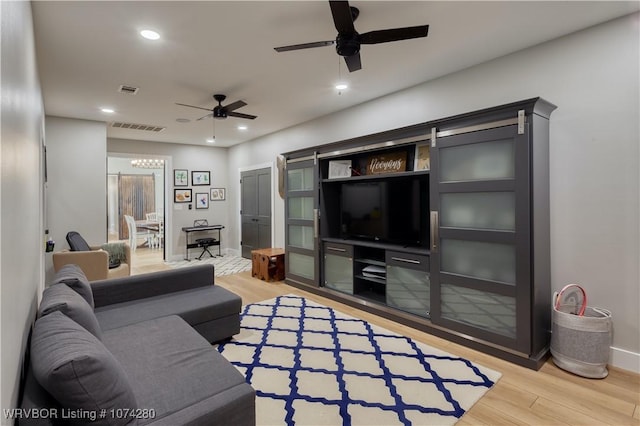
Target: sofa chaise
(135, 351)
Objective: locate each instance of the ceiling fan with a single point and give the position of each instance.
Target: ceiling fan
(221, 112)
(348, 40)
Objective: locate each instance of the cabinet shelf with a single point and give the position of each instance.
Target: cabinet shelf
(373, 296)
(371, 279)
(378, 176)
(371, 262)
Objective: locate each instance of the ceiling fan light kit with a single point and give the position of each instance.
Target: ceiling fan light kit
(348, 40)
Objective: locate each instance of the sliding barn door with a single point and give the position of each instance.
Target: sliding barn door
(136, 197)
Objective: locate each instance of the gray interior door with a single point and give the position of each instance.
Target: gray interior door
(255, 210)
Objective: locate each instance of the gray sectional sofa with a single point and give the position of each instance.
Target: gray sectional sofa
(135, 351)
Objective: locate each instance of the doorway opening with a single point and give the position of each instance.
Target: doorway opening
(136, 205)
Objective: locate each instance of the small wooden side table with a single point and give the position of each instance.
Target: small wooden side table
(268, 264)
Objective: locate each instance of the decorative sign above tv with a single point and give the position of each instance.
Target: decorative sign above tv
(387, 163)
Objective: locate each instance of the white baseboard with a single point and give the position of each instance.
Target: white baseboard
(624, 359)
(232, 252)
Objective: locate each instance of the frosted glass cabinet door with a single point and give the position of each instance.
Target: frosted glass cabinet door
(492, 312)
(408, 290)
(478, 210)
(480, 161)
(301, 236)
(300, 179)
(487, 261)
(479, 204)
(300, 208)
(301, 225)
(338, 273)
(302, 265)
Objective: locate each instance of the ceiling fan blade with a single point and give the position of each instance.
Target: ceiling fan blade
(304, 46)
(395, 34)
(206, 116)
(240, 115)
(191, 106)
(342, 18)
(234, 106)
(353, 62)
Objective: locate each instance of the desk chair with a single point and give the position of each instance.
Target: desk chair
(204, 243)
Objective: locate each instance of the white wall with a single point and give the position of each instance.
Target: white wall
(77, 171)
(21, 193)
(189, 157)
(593, 78)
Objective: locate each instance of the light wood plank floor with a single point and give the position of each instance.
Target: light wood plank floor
(550, 396)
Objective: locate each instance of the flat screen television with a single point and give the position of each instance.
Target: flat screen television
(392, 211)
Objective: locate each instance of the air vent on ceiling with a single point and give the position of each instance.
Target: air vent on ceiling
(132, 126)
(129, 90)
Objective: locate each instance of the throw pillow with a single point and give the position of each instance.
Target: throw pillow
(117, 254)
(73, 276)
(79, 371)
(61, 298)
(76, 242)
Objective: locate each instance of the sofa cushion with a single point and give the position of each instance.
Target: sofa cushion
(172, 368)
(62, 298)
(73, 276)
(195, 306)
(78, 370)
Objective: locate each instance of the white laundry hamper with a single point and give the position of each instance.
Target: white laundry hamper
(580, 343)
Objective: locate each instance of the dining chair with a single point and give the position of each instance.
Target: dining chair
(134, 234)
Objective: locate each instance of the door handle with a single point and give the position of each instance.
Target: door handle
(402, 259)
(434, 232)
(341, 250)
(315, 223)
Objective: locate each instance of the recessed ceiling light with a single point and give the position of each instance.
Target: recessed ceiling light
(342, 86)
(150, 35)
(182, 120)
(107, 110)
(242, 127)
(211, 140)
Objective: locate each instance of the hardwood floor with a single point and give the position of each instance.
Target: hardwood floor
(550, 396)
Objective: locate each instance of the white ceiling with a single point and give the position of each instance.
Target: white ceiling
(86, 50)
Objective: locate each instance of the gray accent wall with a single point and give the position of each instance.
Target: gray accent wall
(21, 193)
(592, 76)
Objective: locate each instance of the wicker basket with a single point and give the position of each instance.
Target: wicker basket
(580, 344)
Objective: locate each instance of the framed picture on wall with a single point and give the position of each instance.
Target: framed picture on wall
(200, 178)
(180, 177)
(217, 194)
(202, 200)
(182, 195)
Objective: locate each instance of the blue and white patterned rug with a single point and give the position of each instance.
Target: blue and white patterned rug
(223, 265)
(312, 365)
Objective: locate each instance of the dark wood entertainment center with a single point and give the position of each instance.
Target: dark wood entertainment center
(459, 249)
